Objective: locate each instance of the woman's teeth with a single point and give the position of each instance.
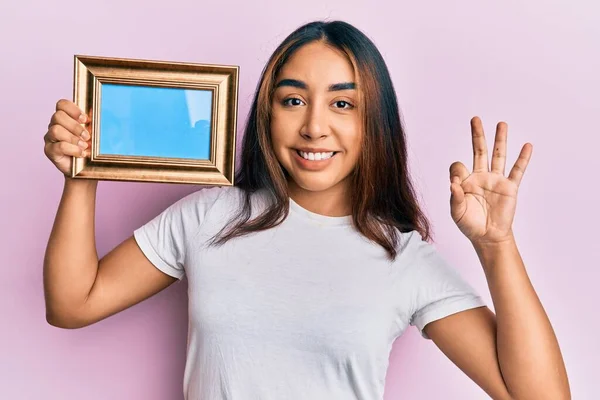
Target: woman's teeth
(315, 156)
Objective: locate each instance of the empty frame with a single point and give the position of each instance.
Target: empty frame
(157, 121)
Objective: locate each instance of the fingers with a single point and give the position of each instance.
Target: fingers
(61, 118)
(66, 136)
(458, 173)
(499, 154)
(457, 201)
(517, 171)
(458, 170)
(56, 151)
(71, 110)
(480, 160)
(58, 133)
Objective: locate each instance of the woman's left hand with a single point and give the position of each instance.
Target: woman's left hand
(483, 203)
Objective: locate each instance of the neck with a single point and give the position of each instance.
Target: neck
(332, 202)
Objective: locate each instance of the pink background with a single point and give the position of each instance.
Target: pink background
(534, 65)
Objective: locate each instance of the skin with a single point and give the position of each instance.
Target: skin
(79, 288)
(513, 354)
(314, 116)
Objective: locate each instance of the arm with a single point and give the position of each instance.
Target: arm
(511, 355)
(79, 289)
(515, 352)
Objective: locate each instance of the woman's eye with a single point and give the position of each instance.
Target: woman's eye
(343, 104)
(292, 101)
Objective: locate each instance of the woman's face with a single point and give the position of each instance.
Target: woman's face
(314, 113)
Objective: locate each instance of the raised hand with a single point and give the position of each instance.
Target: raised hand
(483, 203)
(66, 136)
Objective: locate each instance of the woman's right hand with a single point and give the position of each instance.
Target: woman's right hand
(66, 136)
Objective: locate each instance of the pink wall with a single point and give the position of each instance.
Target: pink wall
(533, 65)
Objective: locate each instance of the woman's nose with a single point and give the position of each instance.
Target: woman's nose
(316, 124)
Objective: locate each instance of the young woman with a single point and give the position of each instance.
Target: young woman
(303, 274)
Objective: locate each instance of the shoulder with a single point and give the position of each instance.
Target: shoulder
(411, 244)
(421, 257)
(425, 264)
(196, 206)
(208, 196)
(220, 200)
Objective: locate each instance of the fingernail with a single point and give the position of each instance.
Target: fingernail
(82, 118)
(85, 135)
(82, 144)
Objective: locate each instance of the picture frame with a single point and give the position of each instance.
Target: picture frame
(157, 121)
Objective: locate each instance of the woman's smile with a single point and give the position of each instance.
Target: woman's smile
(313, 161)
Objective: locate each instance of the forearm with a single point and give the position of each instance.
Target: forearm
(528, 351)
(71, 259)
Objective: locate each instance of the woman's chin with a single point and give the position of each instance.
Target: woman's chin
(314, 184)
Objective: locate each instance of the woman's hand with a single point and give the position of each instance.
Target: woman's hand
(483, 203)
(66, 136)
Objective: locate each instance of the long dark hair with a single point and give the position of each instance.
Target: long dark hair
(383, 196)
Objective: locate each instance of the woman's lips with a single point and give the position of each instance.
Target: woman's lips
(312, 165)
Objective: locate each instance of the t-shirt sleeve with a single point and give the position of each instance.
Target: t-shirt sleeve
(164, 239)
(439, 290)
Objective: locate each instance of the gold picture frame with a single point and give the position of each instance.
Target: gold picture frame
(159, 145)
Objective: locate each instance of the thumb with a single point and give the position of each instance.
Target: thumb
(458, 169)
(457, 199)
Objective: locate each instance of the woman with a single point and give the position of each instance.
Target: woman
(301, 294)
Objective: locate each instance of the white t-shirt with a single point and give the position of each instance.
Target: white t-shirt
(306, 310)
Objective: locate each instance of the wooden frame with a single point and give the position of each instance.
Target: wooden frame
(126, 76)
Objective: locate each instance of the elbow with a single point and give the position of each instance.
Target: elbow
(53, 320)
(557, 396)
(554, 395)
(60, 322)
(64, 320)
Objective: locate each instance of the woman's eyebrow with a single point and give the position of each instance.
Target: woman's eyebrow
(302, 85)
(342, 86)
